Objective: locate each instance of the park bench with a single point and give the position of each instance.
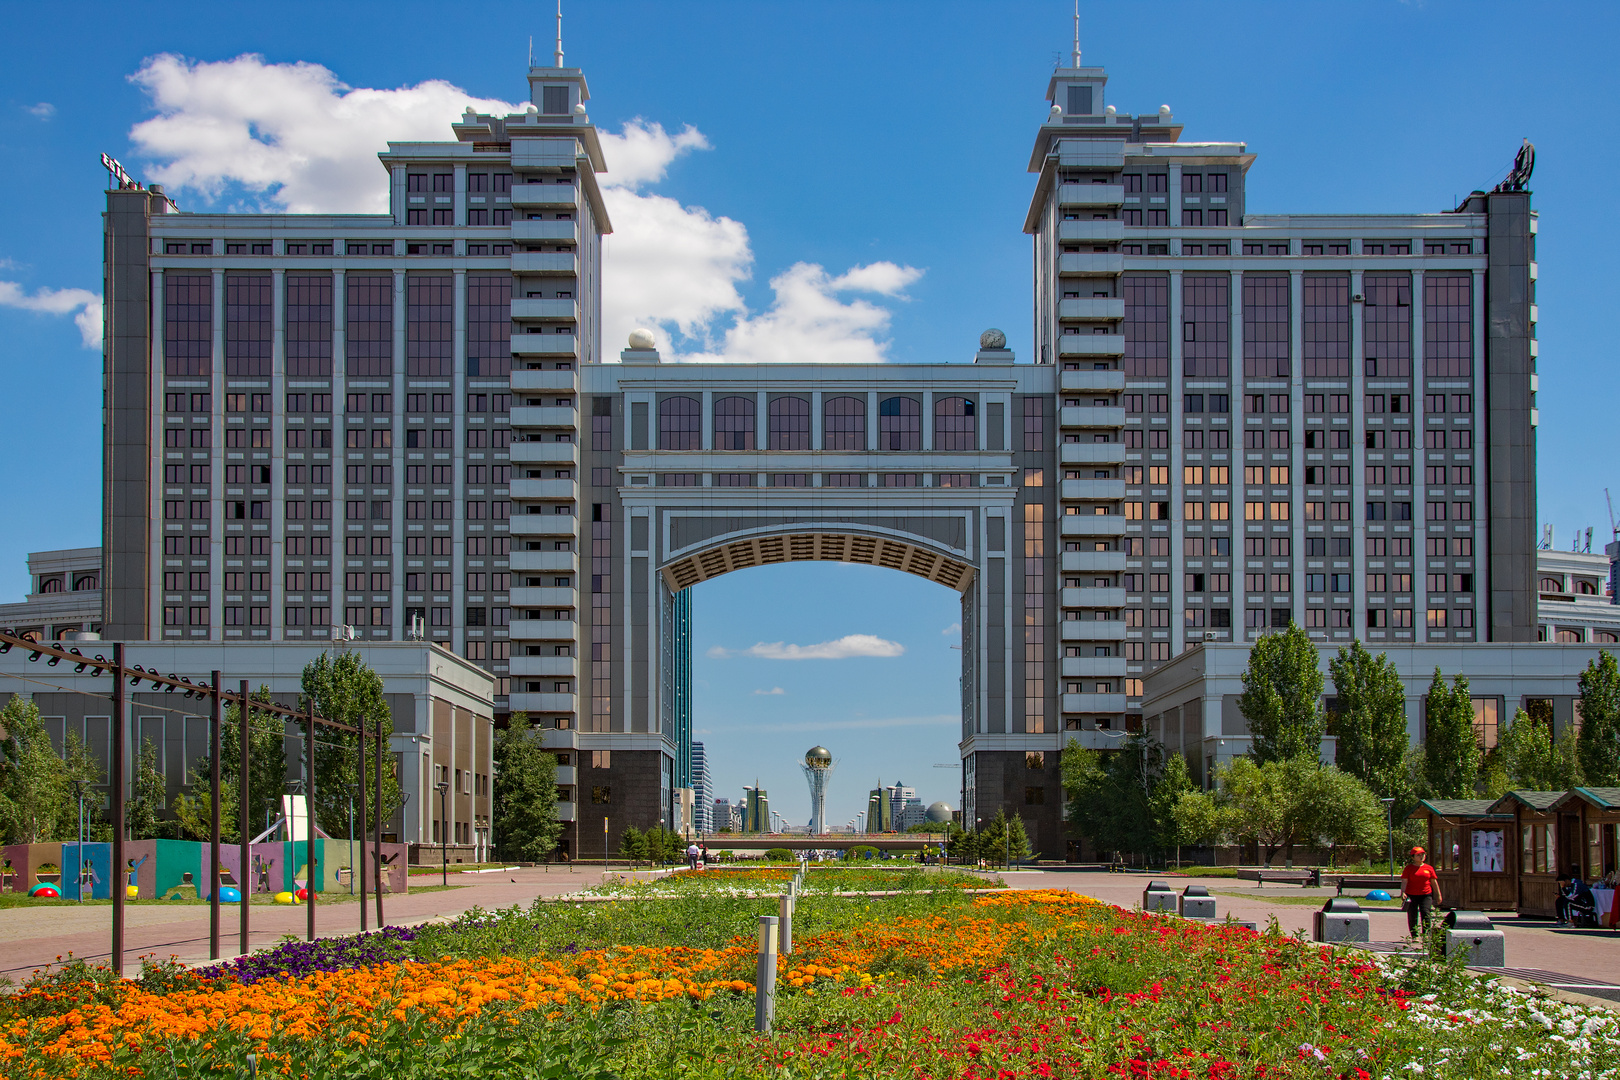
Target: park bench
(1366, 881)
(1309, 879)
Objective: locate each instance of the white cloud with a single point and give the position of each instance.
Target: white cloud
(44, 110)
(296, 138)
(954, 628)
(940, 720)
(293, 133)
(82, 304)
(775, 691)
(850, 645)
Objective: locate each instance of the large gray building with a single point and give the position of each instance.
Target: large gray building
(374, 419)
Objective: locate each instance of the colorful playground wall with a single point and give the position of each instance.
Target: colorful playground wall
(161, 869)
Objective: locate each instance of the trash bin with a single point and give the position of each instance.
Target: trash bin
(1342, 920)
(1473, 933)
(1196, 903)
(1159, 897)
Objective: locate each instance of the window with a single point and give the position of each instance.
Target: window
(1448, 325)
(789, 419)
(899, 424)
(1147, 325)
(734, 423)
(954, 424)
(843, 423)
(680, 423)
(1265, 324)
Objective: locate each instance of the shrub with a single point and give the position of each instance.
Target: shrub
(863, 852)
(778, 854)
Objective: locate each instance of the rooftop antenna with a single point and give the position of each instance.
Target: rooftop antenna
(559, 33)
(531, 50)
(1547, 536)
(1587, 548)
(1076, 33)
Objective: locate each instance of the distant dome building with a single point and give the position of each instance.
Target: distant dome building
(939, 813)
(817, 757)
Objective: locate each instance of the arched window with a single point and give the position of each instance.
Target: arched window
(899, 424)
(1606, 637)
(1552, 584)
(50, 585)
(1567, 637)
(1586, 588)
(734, 423)
(680, 424)
(843, 423)
(953, 424)
(790, 423)
(85, 581)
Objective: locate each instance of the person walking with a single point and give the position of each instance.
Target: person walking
(692, 853)
(1420, 890)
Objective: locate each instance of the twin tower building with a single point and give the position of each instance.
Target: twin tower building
(408, 423)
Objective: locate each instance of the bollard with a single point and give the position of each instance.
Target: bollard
(1196, 903)
(1342, 920)
(785, 926)
(765, 975)
(1159, 897)
(1473, 933)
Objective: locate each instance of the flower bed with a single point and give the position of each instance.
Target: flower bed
(1010, 985)
(828, 880)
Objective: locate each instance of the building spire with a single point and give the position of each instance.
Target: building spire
(559, 30)
(1076, 32)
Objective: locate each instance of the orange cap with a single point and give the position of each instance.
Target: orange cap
(1417, 851)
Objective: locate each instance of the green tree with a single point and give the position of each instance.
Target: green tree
(267, 766)
(1599, 742)
(1108, 793)
(1201, 818)
(1527, 758)
(343, 689)
(142, 810)
(35, 792)
(1371, 719)
(84, 774)
(525, 793)
(1018, 846)
(632, 845)
(1282, 696)
(1450, 748)
(1263, 801)
(1174, 782)
(1337, 810)
(193, 813)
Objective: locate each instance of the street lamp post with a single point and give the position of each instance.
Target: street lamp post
(444, 834)
(1389, 831)
(78, 790)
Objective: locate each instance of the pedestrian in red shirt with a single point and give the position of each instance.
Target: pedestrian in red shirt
(1420, 889)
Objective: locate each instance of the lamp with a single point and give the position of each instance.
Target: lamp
(444, 834)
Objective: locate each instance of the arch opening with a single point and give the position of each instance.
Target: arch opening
(818, 547)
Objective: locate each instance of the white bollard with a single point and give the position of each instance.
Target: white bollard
(765, 975)
(785, 924)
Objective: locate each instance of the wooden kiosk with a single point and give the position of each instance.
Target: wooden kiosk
(1535, 824)
(1471, 854)
(1587, 821)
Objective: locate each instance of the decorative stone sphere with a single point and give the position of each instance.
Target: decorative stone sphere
(992, 339)
(817, 757)
(939, 812)
(642, 339)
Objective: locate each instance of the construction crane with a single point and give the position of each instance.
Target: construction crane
(1613, 526)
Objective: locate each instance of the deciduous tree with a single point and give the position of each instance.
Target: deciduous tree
(143, 809)
(1599, 742)
(525, 793)
(1450, 747)
(34, 787)
(344, 689)
(1282, 697)
(1370, 719)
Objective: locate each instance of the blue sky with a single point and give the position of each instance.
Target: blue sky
(887, 139)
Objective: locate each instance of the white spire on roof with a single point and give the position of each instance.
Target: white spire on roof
(1076, 32)
(559, 33)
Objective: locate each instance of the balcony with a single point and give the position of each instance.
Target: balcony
(1073, 524)
(1087, 453)
(551, 453)
(1079, 630)
(1068, 194)
(1067, 380)
(541, 703)
(542, 629)
(1084, 416)
(566, 562)
(1074, 562)
(1083, 307)
(1096, 231)
(1086, 596)
(544, 416)
(1089, 739)
(527, 488)
(567, 777)
(1088, 703)
(545, 379)
(535, 307)
(545, 262)
(546, 230)
(1075, 667)
(559, 667)
(1087, 344)
(543, 596)
(1094, 488)
(564, 810)
(549, 525)
(532, 153)
(545, 345)
(551, 196)
(1075, 263)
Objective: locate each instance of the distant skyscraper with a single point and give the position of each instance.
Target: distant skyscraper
(900, 796)
(879, 810)
(818, 767)
(703, 819)
(722, 813)
(756, 809)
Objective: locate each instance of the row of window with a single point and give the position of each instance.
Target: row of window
(353, 510)
(804, 480)
(844, 421)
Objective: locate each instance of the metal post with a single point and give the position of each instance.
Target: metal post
(244, 716)
(377, 821)
(360, 782)
(1389, 831)
(444, 835)
(311, 867)
(121, 873)
(765, 975)
(215, 750)
(785, 923)
(79, 786)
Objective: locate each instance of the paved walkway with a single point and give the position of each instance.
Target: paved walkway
(33, 937)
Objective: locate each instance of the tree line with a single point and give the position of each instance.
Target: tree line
(1139, 801)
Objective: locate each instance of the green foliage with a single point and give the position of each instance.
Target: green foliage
(194, 812)
(1599, 743)
(632, 845)
(778, 854)
(1279, 804)
(36, 796)
(142, 810)
(1450, 748)
(1175, 781)
(1282, 696)
(862, 853)
(1200, 818)
(1338, 810)
(664, 845)
(343, 689)
(267, 766)
(525, 793)
(1018, 848)
(1109, 793)
(1371, 720)
(1528, 759)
